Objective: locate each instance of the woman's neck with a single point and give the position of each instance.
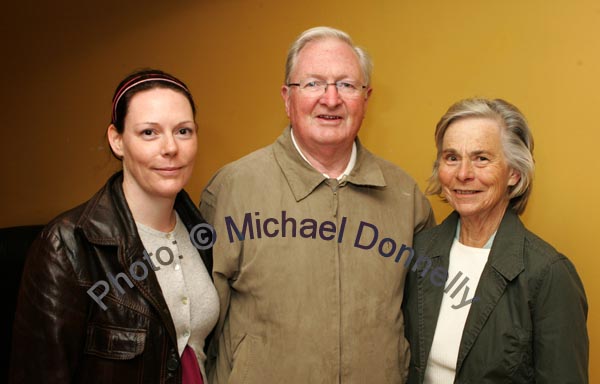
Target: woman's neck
(154, 212)
(476, 230)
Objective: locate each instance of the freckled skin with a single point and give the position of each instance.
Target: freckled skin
(473, 170)
(158, 144)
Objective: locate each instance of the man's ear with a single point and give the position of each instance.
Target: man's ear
(115, 139)
(285, 94)
(368, 93)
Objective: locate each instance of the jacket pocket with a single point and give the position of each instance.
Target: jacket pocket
(518, 360)
(115, 343)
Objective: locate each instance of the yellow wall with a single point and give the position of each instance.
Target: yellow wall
(62, 61)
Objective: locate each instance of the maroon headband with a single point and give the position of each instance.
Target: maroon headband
(139, 80)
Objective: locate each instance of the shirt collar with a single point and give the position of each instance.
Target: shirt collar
(487, 245)
(349, 167)
(303, 178)
(508, 247)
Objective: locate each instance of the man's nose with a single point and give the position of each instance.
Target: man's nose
(331, 96)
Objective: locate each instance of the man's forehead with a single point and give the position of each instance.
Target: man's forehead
(325, 53)
(325, 43)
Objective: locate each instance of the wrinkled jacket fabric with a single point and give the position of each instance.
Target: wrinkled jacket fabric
(303, 303)
(61, 335)
(528, 324)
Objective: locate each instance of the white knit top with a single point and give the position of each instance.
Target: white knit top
(186, 286)
(441, 365)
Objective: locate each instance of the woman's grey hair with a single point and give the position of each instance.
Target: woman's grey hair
(517, 143)
(320, 33)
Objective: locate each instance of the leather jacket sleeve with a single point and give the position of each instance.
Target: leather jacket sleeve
(49, 326)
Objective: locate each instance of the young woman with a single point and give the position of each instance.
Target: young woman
(114, 290)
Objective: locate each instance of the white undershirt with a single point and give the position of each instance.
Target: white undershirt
(349, 167)
(441, 365)
(186, 286)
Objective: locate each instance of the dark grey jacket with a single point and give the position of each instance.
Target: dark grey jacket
(528, 323)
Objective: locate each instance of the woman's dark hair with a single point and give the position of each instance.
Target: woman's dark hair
(139, 81)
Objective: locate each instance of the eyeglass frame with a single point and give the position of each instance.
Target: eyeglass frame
(326, 84)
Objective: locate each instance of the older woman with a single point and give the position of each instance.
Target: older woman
(115, 290)
(488, 301)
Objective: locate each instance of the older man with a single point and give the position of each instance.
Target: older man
(313, 235)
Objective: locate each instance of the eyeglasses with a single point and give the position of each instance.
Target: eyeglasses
(345, 88)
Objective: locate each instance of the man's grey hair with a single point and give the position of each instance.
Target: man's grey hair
(320, 33)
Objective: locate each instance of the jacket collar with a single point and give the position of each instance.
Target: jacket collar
(505, 260)
(442, 237)
(505, 263)
(303, 178)
(506, 255)
(107, 220)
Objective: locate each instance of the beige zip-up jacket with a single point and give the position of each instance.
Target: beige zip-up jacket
(310, 272)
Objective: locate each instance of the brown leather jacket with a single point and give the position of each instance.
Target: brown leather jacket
(61, 335)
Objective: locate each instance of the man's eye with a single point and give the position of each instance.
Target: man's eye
(345, 85)
(311, 84)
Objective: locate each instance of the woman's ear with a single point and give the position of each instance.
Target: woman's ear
(115, 139)
(514, 177)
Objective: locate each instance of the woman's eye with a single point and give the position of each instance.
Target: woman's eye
(451, 158)
(185, 131)
(147, 132)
